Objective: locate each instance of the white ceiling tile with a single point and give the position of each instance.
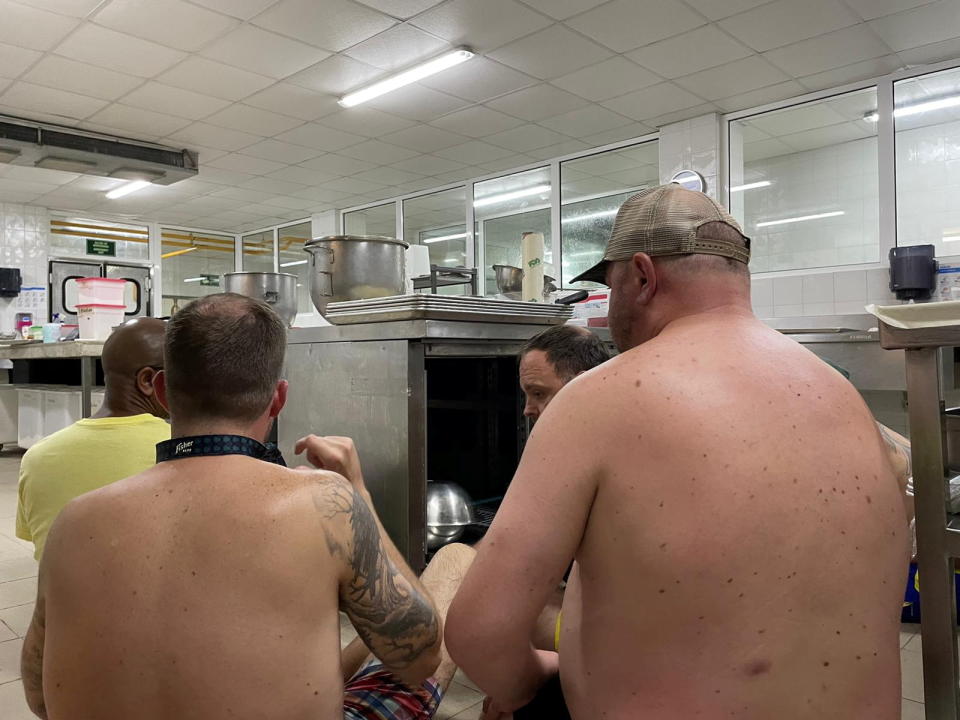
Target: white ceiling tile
(333, 24)
(691, 52)
(14, 60)
(32, 28)
(473, 152)
(138, 122)
(562, 9)
(297, 174)
(586, 121)
(378, 152)
(243, 9)
(73, 8)
(335, 76)
(719, 9)
(5, 83)
(390, 176)
(351, 185)
(26, 96)
(245, 164)
(452, 176)
(424, 138)
(215, 137)
(734, 78)
(477, 122)
(274, 55)
(653, 101)
(318, 194)
(172, 23)
(428, 165)
(827, 52)
(607, 79)
(174, 101)
(58, 72)
(245, 194)
(281, 152)
(551, 53)
(397, 48)
(627, 24)
(559, 150)
(402, 9)
(35, 115)
(755, 98)
(525, 138)
(481, 25)
(870, 9)
(537, 102)
(110, 49)
(934, 52)
(290, 203)
(786, 21)
(416, 102)
(680, 115)
(213, 78)
(39, 175)
(479, 80)
(253, 120)
(270, 186)
(507, 163)
(295, 101)
(921, 26)
(320, 137)
(627, 132)
(339, 164)
(365, 121)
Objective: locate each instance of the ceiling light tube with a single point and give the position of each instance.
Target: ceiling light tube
(174, 253)
(458, 236)
(196, 279)
(751, 186)
(921, 107)
(802, 218)
(515, 195)
(127, 188)
(294, 262)
(431, 67)
(591, 216)
(951, 238)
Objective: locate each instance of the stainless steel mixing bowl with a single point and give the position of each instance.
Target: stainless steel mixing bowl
(449, 512)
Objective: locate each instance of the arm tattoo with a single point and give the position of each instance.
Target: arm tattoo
(391, 616)
(31, 662)
(899, 448)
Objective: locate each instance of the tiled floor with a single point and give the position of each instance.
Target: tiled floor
(18, 577)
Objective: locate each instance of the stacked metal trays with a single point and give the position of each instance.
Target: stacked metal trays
(446, 307)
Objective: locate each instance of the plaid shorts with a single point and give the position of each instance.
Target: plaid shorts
(375, 694)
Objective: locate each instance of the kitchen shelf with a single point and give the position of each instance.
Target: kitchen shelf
(441, 276)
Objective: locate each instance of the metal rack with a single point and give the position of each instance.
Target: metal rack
(938, 538)
(441, 276)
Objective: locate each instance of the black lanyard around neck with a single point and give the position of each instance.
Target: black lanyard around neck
(209, 445)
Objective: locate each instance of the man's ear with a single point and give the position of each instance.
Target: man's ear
(279, 398)
(646, 273)
(160, 388)
(144, 380)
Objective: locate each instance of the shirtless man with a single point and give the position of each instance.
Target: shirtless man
(738, 529)
(208, 586)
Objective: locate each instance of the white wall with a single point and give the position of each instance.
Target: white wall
(24, 239)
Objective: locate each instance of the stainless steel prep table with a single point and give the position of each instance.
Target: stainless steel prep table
(86, 351)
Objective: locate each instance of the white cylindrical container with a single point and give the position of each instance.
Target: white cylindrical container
(98, 321)
(100, 291)
(531, 246)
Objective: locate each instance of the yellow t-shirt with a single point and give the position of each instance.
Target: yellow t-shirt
(87, 455)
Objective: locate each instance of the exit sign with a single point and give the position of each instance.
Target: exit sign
(104, 248)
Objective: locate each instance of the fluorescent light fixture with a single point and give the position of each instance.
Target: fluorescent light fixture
(751, 186)
(591, 216)
(951, 238)
(428, 241)
(196, 279)
(294, 262)
(922, 107)
(126, 189)
(394, 82)
(178, 252)
(515, 195)
(802, 218)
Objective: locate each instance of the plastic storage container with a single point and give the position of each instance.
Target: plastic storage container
(100, 291)
(29, 417)
(61, 408)
(97, 320)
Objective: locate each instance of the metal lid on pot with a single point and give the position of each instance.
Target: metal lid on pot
(356, 238)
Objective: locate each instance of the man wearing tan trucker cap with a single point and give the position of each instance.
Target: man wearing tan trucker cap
(740, 538)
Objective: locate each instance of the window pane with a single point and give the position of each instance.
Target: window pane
(258, 251)
(294, 260)
(192, 264)
(927, 122)
(506, 208)
(804, 183)
(592, 189)
(438, 222)
(69, 236)
(379, 220)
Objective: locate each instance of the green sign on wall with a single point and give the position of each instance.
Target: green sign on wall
(105, 248)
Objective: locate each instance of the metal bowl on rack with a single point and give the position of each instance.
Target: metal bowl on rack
(449, 513)
(509, 279)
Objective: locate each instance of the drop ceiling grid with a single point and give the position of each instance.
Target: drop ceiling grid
(204, 87)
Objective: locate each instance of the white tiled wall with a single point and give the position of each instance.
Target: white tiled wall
(692, 145)
(844, 292)
(24, 233)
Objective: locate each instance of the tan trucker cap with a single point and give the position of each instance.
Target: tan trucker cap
(664, 221)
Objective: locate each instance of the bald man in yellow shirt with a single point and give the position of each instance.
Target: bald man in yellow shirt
(117, 442)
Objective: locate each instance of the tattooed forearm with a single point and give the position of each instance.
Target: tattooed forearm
(899, 449)
(31, 668)
(391, 616)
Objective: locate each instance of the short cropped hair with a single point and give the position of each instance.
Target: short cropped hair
(570, 349)
(223, 357)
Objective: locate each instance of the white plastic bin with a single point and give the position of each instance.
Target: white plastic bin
(61, 408)
(8, 415)
(29, 416)
(97, 321)
(100, 291)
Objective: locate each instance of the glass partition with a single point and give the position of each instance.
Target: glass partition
(192, 264)
(592, 189)
(504, 209)
(79, 236)
(927, 125)
(379, 220)
(295, 261)
(438, 222)
(258, 251)
(804, 183)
